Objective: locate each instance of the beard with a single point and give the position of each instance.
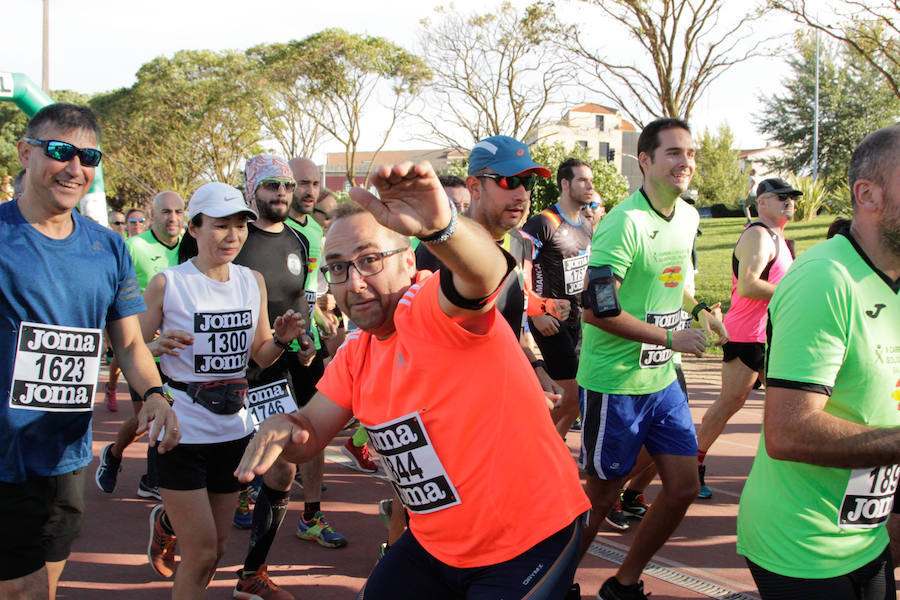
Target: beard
(271, 213)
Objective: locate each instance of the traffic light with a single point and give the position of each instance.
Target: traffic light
(610, 155)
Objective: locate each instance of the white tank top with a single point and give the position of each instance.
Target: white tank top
(222, 316)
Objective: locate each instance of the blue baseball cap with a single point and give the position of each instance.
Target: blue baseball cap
(505, 156)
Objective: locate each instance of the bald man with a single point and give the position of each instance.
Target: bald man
(151, 252)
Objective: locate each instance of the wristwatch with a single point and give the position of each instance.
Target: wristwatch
(279, 343)
(158, 389)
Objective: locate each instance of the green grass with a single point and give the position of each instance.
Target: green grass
(714, 249)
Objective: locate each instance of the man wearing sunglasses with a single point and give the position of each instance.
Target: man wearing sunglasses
(431, 371)
(501, 177)
(563, 244)
(760, 259)
(636, 288)
(135, 222)
(151, 252)
(63, 279)
(117, 222)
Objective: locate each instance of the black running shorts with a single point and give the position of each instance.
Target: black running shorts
(872, 581)
(201, 466)
(558, 350)
(752, 354)
(40, 517)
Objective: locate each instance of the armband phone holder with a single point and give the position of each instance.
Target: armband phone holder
(601, 294)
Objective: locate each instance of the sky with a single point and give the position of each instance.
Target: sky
(98, 45)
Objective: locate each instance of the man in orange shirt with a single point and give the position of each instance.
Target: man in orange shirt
(430, 372)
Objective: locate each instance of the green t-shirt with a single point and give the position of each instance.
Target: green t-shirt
(651, 255)
(834, 329)
(314, 233)
(150, 256)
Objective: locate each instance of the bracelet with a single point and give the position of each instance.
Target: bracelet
(668, 339)
(538, 364)
(696, 310)
(544, 306)
(439, 237)
(279, 343)
(158, 389)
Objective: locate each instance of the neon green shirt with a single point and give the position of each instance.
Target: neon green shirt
(314, 233)
(834, 329)
(150, 256)
(651, 255)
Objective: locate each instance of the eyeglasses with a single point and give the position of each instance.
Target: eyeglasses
(64, 152)
(118, 222)
(513, 181)
(590, 205)
(273, 185)
(367, 264)
(786, 197)
(136, 220)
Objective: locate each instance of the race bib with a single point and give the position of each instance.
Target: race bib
(56, 368)
(574, 269)
(222, 341)
(270, 399)
(653, 356)
(412, 465)
(869, 497)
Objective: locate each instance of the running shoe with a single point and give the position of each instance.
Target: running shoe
(385, 508)
(576, 426)
(243, 516)
(161, 548)
(319, 530)
(359, 456)
(704, 492)
(108, 470)
(635, 509)
(258, 587)
(112, 403)
(616, 517)
(613, 590)
(145, 490)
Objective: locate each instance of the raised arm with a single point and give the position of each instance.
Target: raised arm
(413, 203)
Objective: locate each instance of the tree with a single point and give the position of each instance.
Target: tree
(853, 101)
(868, 27)
(682, 48)
(285, 117)
(495, 73)
(719, 179)
(187, 120)
(608, 182)
(341, 74)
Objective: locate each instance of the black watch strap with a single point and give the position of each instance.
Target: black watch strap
(696, 310)
(279, 343)
(158, 389)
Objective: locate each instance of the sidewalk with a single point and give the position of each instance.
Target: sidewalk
(109, 559)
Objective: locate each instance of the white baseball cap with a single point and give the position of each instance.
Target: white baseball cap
(219, 200)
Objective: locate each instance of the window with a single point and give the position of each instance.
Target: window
(582, 144)
(599, 119)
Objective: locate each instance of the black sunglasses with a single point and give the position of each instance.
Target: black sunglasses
(118, 222)
(64, 152)
(513, 181)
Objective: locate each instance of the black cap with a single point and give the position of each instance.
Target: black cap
(776, 186)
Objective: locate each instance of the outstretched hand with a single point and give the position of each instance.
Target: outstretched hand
(412, 201)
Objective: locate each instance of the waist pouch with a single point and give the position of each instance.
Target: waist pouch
(220, 397)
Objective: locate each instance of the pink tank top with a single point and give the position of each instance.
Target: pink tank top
(747, 317)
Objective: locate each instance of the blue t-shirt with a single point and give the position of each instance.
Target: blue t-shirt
(64, 291)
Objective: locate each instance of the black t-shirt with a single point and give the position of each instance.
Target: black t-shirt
(564, 249)
(282, 259)
(511, 302)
